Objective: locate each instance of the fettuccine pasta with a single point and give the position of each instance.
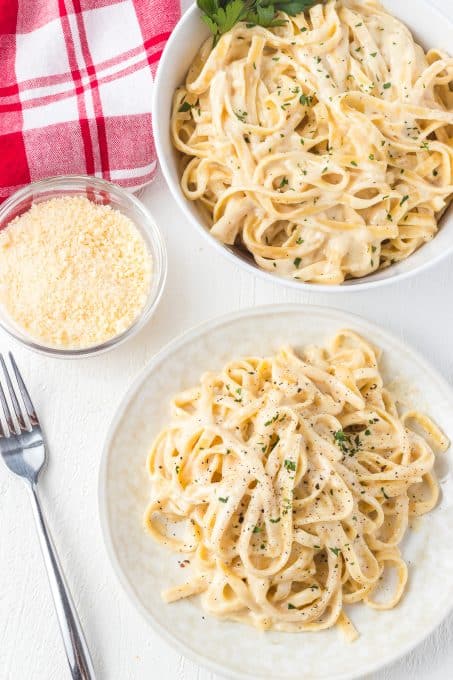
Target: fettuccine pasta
(289, 482)
(323, 147)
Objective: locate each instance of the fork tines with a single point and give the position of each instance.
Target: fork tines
(24, 415)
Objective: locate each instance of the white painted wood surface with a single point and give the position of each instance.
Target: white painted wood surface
(76, 401)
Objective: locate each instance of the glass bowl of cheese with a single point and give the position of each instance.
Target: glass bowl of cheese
(82, 265)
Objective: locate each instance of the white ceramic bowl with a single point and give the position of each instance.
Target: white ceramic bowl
(146, 568)
(430, 28)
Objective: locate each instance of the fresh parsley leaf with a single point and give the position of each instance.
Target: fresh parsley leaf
(335, 551)
(185, 106)
(221, 15)
(305, 99)
(290, 465)
(223, 500)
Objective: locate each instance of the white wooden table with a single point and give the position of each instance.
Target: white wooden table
(77, 399)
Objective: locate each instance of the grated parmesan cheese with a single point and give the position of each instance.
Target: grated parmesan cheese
(73, 273)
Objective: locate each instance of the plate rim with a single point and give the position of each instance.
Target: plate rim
(179, 341)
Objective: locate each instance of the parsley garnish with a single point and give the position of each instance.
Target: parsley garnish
(256, 530)
(297, 262)
(223, 500)
(347, 443)
(335, 551)
(386, 86)
(242, 115)
(291, 606)
(299, 241)
(404, 199)
(306, 99)
(283, 182)
(274, 521)
(221, 15)
(185, 106)
(290, 465)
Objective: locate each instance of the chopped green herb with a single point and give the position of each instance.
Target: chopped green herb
(223, 500)
(404, 199)
(297, 262)
(335, 551)
(306, 99)
(386, 86)
(290, 465)
(185, 106)
(291, 606)
(242, 115)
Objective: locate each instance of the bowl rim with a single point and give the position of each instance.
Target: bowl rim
(160, 131)
(160, 262)
(176, 343)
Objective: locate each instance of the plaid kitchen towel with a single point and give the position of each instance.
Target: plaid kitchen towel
(76, 80)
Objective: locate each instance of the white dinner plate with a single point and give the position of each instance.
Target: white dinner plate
(145, 568)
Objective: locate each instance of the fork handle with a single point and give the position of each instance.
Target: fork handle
(76, 648)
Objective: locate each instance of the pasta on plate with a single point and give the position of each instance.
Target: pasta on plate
(289, 482)
(323, 147)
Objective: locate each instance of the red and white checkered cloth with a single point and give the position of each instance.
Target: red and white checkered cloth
(76, 79)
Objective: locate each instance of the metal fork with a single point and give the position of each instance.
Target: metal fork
(23, 450)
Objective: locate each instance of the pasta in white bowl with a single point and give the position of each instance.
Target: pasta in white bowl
(308, 166)
(295, 480)
(323, 146)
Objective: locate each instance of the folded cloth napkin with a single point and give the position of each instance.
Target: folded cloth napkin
(76, 79)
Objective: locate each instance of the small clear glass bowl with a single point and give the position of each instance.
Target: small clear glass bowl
(105, 193)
